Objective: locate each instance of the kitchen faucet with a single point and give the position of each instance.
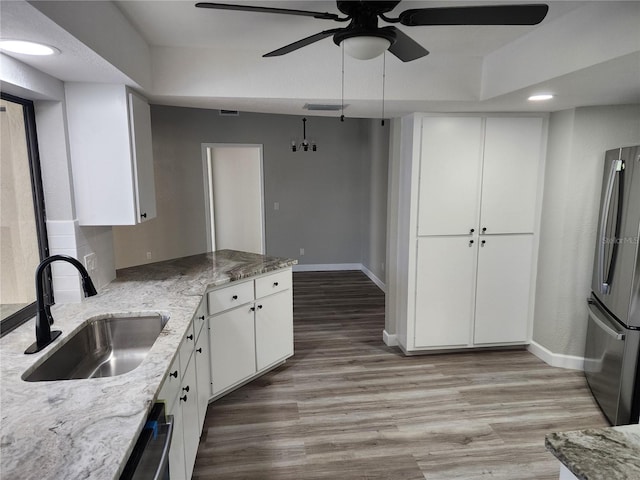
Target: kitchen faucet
(44, 335)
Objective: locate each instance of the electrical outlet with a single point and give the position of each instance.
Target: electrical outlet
(302, 251)
(149, 256)
(91, 262)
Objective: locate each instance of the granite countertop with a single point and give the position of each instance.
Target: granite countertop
(599, 453)
(87, 428)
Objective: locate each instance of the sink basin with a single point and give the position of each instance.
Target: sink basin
(104, 347)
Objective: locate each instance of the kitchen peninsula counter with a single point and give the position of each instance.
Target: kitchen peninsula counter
(87, 428)
(599, 453)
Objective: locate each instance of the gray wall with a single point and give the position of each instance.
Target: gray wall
(376, 167)
(323, 195)
(578, 139)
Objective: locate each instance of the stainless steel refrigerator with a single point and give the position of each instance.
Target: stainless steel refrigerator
(613, 334)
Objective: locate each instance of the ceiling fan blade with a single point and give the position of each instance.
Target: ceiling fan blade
(285, 11)
(405, 47)
(302, 43)
(480, 15)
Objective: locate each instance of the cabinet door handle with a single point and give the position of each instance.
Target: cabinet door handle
(190, 337)
(174, 374)
(183, 399)
(235, 297)
(471, 230)
(482, 243)
(143, 215)
(185, 389)
(470, 243)
(275, 284)
(260, 307)
(199, 350)
(253, 309)
(201, 317)
(484, 229)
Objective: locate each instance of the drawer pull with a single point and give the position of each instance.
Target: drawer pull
(185, 389)
(275, 284)
(235, 297)
(174, 374)
(199, 350)
(190, 337)
(183, 399)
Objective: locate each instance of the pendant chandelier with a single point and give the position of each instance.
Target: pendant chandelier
(305, 145)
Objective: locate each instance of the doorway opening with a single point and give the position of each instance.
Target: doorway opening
(234, 196)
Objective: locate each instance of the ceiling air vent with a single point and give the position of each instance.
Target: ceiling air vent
(324, 107)
(229, 113)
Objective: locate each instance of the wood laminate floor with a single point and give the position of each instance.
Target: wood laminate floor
(346, 406)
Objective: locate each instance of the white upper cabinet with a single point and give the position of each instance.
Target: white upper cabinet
(512, 159)
(479, 175)
(450, 168)
(111, 154)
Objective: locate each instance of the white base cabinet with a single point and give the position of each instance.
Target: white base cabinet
(239, 332)
(248, 339)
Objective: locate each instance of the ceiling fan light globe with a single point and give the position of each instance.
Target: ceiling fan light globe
(365, 47)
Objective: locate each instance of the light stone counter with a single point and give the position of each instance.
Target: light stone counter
(87, 428)
(599, 453)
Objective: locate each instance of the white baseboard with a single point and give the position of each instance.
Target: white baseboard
(328, 267)
(374, 279)
(556, 359)
(390, 340)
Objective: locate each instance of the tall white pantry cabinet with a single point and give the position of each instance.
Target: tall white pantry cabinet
(464, 244)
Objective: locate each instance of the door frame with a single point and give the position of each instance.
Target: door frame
(208, 190)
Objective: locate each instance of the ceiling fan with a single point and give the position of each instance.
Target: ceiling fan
(363, 38)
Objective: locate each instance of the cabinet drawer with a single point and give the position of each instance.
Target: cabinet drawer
(230, 297)
(186, 348)
(274, 283)
(200, 318)
(171, 384)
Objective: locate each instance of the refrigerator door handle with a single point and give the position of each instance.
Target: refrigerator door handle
(605, 328)
(616, 166)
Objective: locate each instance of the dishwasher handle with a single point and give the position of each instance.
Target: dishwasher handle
(603, 326)
(164, 459)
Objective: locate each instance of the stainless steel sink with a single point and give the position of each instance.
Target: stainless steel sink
(104, 347)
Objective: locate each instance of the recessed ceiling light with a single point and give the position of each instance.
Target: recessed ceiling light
(541, 97)
(27, 48)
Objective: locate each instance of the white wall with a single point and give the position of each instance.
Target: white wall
(578, 139)
(64, 234)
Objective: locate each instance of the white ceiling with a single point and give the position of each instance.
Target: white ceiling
(587, 53)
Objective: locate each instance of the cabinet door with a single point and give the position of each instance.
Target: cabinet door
(177, 468)
(450, 167)
(512, 155)
(188, 399)
(504, 282)
(444, 291)
(274, 328)
(203, 374)
(142, 149)
(233, 354)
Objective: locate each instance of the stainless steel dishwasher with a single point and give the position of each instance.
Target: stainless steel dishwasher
(150, 457)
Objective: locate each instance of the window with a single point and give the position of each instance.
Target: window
(23, 237)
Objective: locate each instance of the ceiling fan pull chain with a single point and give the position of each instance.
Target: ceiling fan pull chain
(342, 102)
(384, 70)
